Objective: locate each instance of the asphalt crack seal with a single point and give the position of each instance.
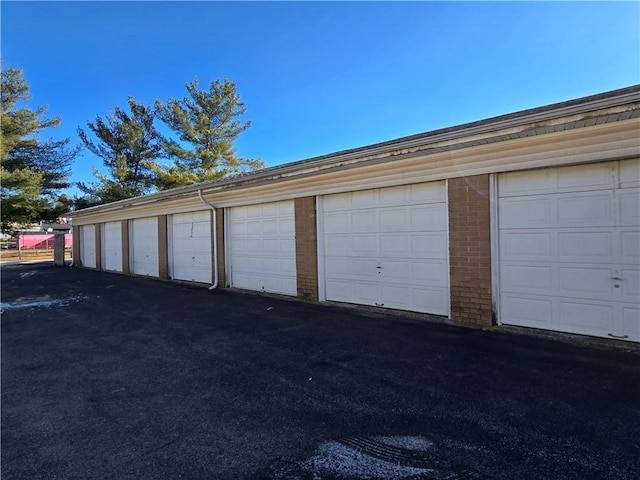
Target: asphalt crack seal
(373, 458)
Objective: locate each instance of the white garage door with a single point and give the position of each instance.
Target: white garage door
(569, 249)
(88, 246)
(262, 247)
(388, 247)
(112, 246)
(190, 247)
(143, 245)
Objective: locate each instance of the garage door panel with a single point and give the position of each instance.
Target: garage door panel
(364, 221)
(582, 282)
(630, 246)
(287, 245)
(365, 293)
(526, 183)
(394, 296)
(387, 246)
(337, 222)
(575, 257)
(427, 192)
(596, 176)
(428, 217)
(629, 285)
(631, 319)
(340, 291)
(524, 278)
(588, 210)
(526, 213)
(585, 246)
(630, 207)
(430, 301)
(525, 245)
(630, 173)
(428, 245)
(394, 220)
(394, 245)
(430, 273)
(593, 319)
(527, 311)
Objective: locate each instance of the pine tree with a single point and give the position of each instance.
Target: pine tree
(129, 146)
(207, 125)
(31, 170)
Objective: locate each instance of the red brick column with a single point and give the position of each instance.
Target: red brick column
(470, 250)
(220, 236)
(306, 248)
(98, 229)
(126, 269)
(163, 248)
(76, 246)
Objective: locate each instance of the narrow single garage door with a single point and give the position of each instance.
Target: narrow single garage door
(190, 246)
(569, 249)
(388, 247)
(112, 246)
(88, 246)
(143, 245)
(262, 247)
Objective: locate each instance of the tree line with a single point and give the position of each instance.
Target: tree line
(137, 158)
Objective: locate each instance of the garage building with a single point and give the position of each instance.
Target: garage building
(530, 219)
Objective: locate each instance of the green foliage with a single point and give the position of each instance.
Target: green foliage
(129, 146)
(31, 169)
(207, 126)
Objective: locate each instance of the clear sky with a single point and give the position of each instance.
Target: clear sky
(319, 77)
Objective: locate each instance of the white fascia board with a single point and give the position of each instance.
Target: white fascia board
(512, 124)
(590, 144)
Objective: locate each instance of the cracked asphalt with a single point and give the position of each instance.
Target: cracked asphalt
(106, 376)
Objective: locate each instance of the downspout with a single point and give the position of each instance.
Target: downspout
(215, 241)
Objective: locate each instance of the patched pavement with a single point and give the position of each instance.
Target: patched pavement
(112, 377)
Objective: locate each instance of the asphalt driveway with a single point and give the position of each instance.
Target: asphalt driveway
(111, 377)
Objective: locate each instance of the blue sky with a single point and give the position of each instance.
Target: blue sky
(319, 77)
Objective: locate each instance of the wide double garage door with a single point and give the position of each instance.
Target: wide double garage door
(387, 247)
(569, 249)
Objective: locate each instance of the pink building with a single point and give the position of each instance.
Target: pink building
(41, 240)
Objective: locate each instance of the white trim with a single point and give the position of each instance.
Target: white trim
(446, 206)
(103, 253)
(170, 266)
(131, 247)
(494, 236)
(227, 248)
(322, 294)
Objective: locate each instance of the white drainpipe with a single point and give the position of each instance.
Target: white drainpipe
(215, 241)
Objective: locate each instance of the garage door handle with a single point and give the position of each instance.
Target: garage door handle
(616, 278)
(618, 336)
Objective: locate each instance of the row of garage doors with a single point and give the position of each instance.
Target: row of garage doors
(567, 243)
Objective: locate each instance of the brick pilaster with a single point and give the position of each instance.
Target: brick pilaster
(306, 248)
(470, 250)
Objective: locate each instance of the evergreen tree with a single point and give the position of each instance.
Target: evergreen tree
(129, 146)
(207, 125)
(31, 170)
